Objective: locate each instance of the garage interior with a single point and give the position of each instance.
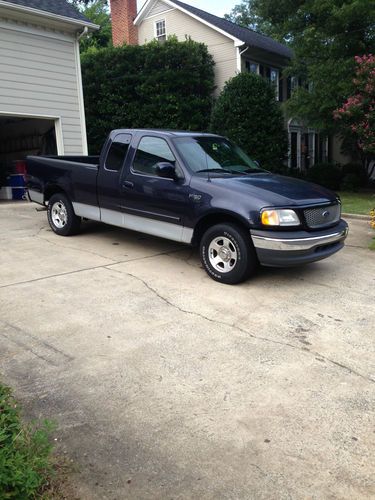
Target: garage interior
(19, 137)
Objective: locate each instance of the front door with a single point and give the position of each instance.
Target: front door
(153, 204)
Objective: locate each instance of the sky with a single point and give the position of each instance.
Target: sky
(217, 7)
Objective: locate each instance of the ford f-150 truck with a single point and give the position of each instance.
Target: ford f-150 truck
(193, 188)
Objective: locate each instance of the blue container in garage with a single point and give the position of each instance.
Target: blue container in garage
(18, 193)
(16, 180)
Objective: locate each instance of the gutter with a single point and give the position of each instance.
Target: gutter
(48, 15)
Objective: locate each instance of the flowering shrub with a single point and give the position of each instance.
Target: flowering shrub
(357, 114)
(372, 221)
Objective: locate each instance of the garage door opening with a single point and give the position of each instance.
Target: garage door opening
(19, 137)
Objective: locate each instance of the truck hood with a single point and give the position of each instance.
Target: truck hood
(276, 190)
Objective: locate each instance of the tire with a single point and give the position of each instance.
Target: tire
(227, 253)
(61, 217)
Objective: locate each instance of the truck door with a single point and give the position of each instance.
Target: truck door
(153, 204)
(110, 195)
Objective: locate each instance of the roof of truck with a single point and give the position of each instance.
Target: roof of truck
(166, 132)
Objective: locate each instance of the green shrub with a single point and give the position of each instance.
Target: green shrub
(155, 85)
(24, 452)
(326, 174)
(351, 182)
(248, 113)
(353, 174)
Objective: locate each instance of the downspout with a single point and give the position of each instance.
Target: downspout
(239, 60)
(83, 33)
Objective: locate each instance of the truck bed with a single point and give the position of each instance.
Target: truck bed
(76, 175)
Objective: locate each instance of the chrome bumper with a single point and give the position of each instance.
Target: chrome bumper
(295, 244)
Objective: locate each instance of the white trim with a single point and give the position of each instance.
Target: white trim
(81, 103)
(56, 119)
(154, 227)
(156, 30)
(140, 17)
(87, 211)
(47, 15)
(59, 137)
(160, 13)
(238, 60)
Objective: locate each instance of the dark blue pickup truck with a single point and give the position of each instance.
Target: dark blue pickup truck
(193, 188)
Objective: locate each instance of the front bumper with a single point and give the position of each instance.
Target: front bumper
(298, 247)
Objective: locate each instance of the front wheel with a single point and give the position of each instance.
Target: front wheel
(227, 254)
(61, 217)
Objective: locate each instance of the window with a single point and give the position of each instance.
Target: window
(272, 75)
(274, 81)
(252, 67)
(117, 152)
(160, 31)
(294, 83)
(215, 155)
(151, 151)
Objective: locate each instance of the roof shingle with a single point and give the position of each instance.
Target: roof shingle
(58, 7)
(246, 35)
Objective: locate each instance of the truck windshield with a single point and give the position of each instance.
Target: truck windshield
(215, 155)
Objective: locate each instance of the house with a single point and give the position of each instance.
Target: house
(41, 99)
(234, 49)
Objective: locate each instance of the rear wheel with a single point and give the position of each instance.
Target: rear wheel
(228, 254)
(61, 217)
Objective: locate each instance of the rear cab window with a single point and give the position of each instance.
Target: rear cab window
(117, 152)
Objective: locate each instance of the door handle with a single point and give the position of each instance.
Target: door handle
(128, 185)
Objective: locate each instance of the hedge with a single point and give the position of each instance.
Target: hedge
(155, 85)
(247, 112)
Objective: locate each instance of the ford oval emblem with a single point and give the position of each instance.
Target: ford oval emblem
(325, 214)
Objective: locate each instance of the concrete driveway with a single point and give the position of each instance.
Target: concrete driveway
(167, 385)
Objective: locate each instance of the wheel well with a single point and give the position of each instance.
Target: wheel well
(51, 190)
(211, 220)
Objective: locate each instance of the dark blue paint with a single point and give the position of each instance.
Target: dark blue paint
(185, 201)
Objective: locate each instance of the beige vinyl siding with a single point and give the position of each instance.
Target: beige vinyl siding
(38, 77)
(157, 8)
(182, 25)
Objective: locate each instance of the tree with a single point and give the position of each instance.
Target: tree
(356, 117)
(155, 85)
(245, 15)
(325, 36)
(97, 12)
(247, 112)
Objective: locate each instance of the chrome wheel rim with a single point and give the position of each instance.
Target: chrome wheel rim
(59, 215)
(222, 254)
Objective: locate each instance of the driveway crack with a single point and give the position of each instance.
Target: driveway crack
(246, 332)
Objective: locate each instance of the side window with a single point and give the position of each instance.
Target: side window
(151, 151)
(117, 152)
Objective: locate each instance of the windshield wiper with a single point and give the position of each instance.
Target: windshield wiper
(219, 171)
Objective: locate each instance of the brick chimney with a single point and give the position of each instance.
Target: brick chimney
(123, 13)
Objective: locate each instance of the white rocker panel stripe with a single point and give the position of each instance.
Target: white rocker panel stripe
(154, 227)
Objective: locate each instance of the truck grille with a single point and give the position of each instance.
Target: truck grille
(322, 216)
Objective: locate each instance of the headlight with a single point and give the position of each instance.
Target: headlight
(281, 217)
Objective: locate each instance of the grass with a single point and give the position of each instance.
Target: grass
(372, 245)
(357, 203)
(25, 453)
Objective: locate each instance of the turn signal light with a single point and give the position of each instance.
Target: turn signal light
(270, 218)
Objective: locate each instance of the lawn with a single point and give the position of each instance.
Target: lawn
(357, 203)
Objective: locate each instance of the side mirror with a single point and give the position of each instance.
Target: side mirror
(166, 170)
